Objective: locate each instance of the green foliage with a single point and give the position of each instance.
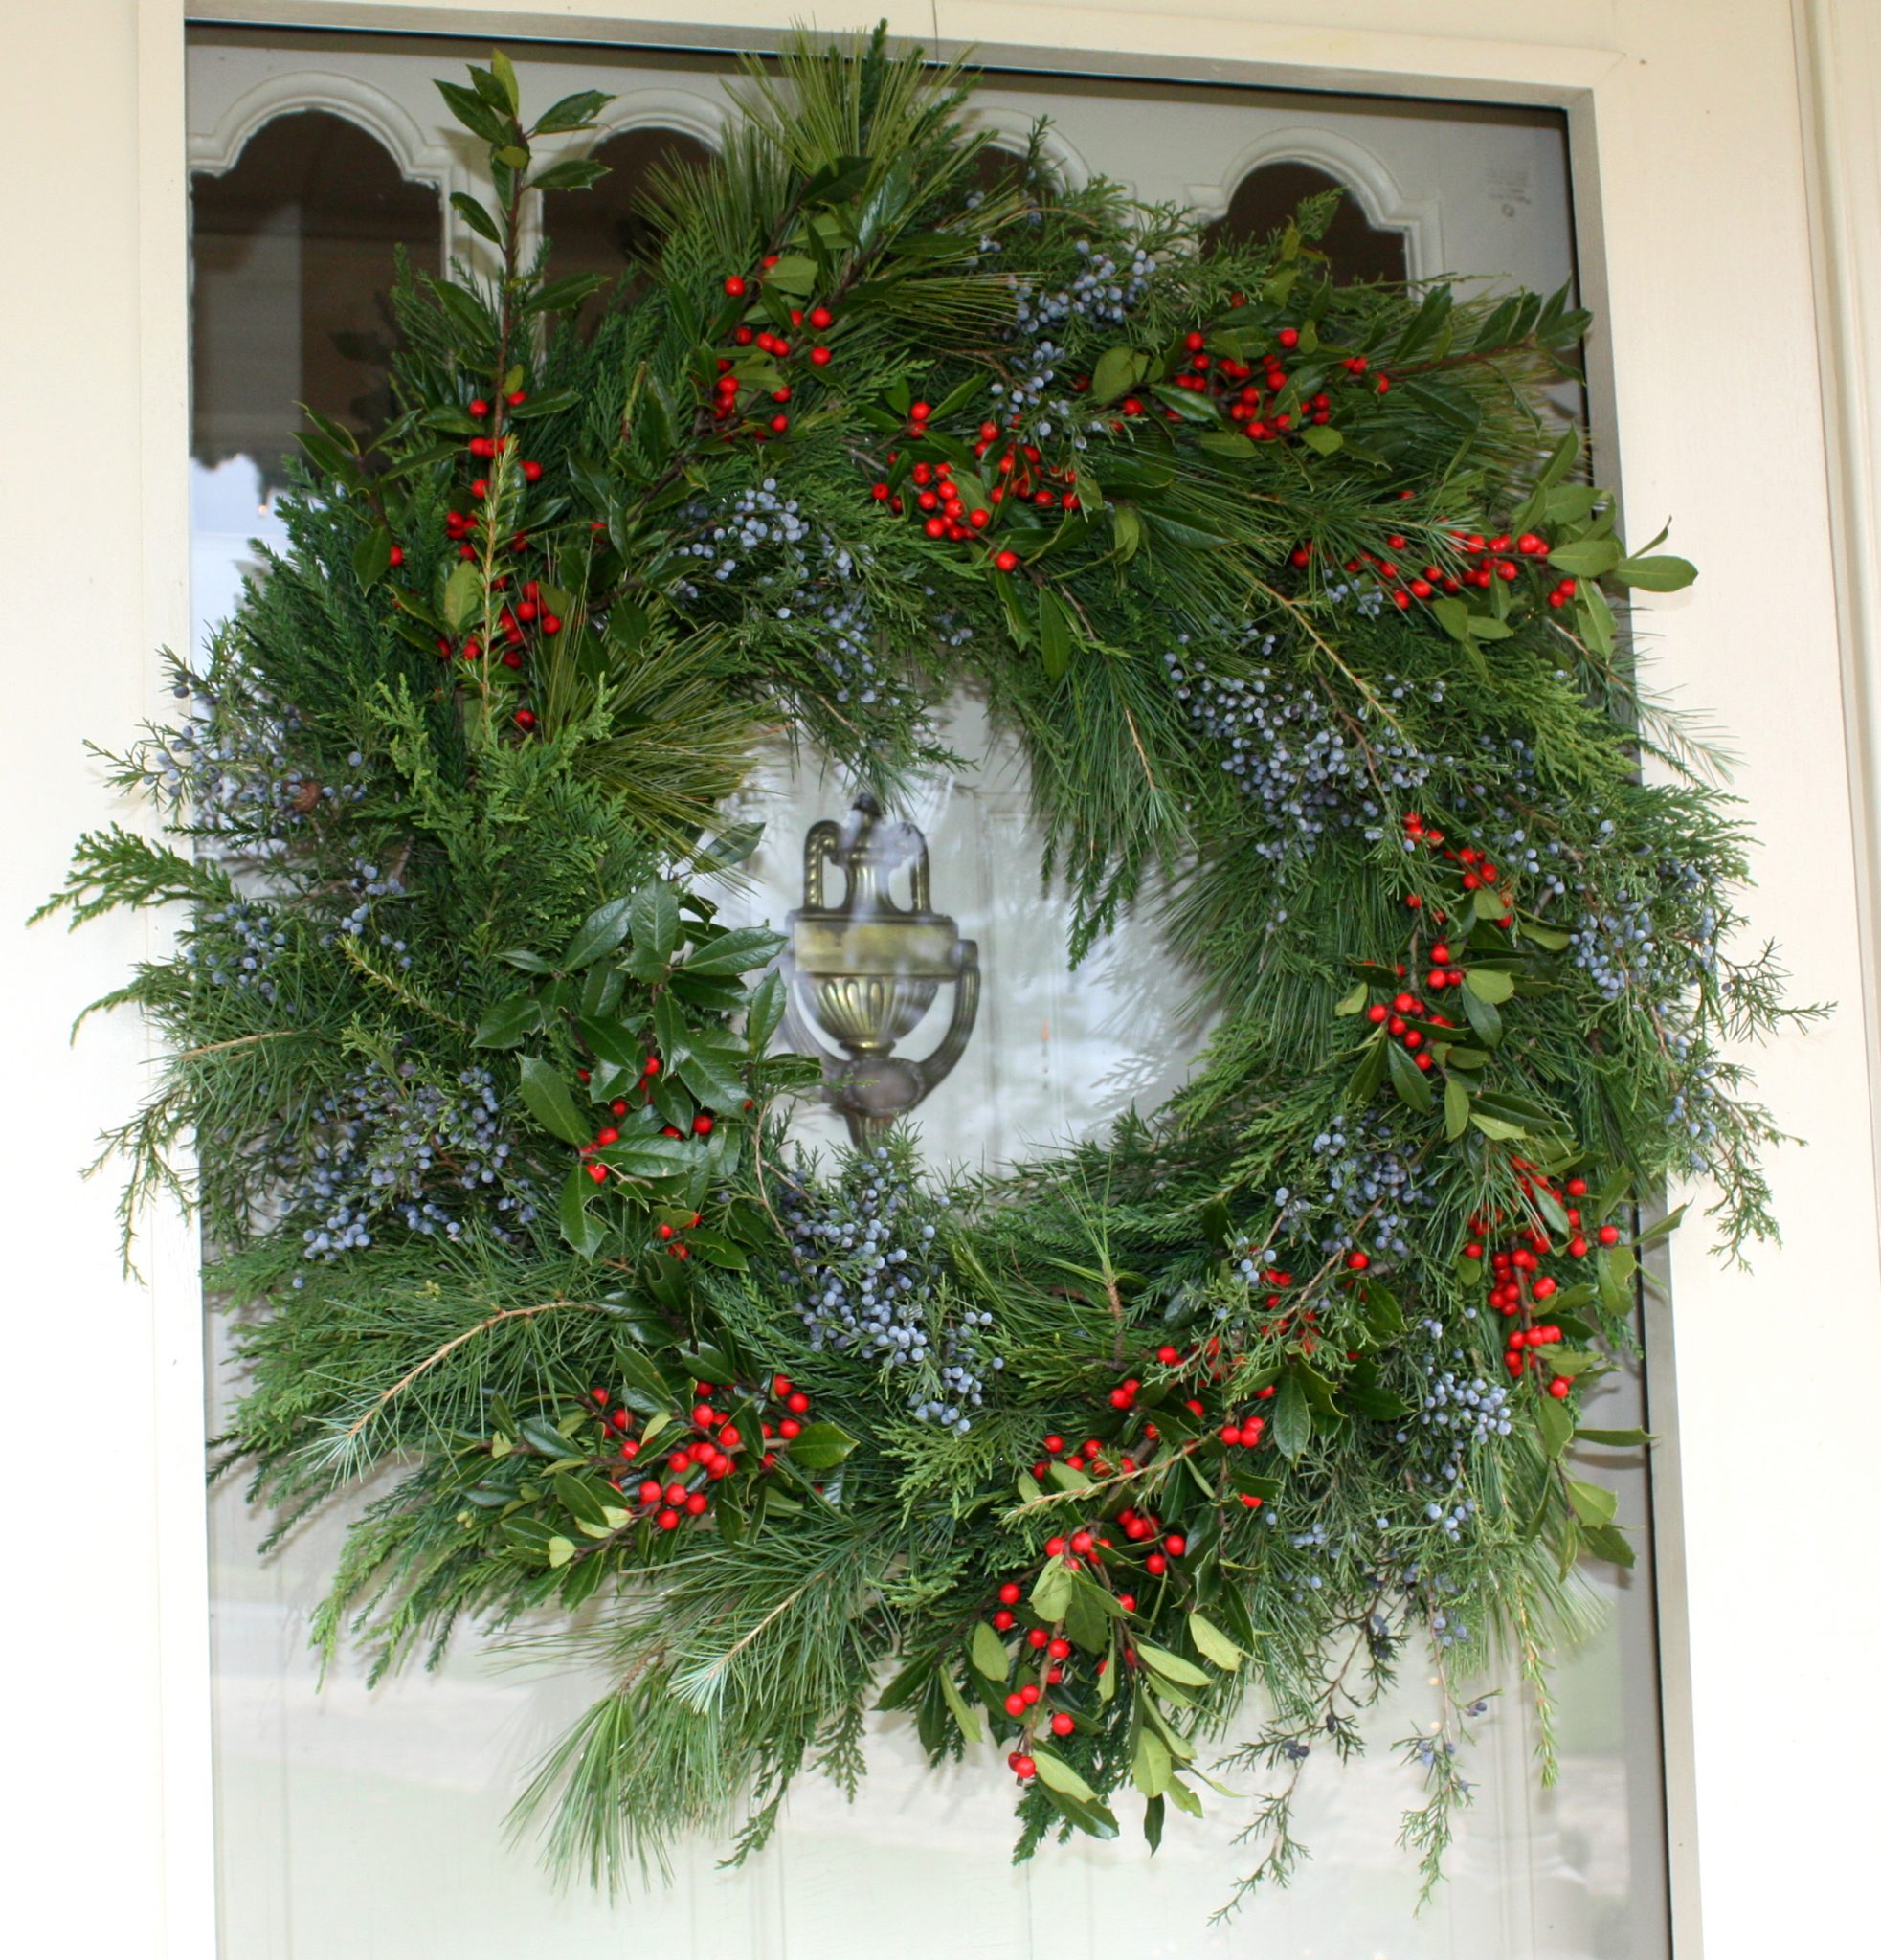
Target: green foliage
(1305, 615)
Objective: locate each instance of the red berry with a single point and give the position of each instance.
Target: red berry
(1007, 561)
(1002, 1620)
(1063, 1723)
(702, 1125)
(1025, 1769)
(668, 1520)
(1054, 1444)
(1610, 1234)
(1009, 1594)
(1015, 1703)
(734, 287)
(479, 408)
(820, 357)
(797, 1402)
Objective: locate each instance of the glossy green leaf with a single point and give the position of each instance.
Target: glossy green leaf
(967, 1720)
(573, 112)
(1292, 1419)
(508, 1022)
(1593, 1503)
(1213, 1644)
(820, 1446)
(988, 1653)
(601, 932)
(550, 1102)
(655, 919)
(1056, 1773)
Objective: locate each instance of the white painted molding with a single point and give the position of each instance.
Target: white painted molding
(421, 157)
(689, 111)
(1370, 181)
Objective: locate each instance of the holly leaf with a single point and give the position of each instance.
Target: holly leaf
(572, 173)
(463, 595)
(1555, 1424)
(1408, 1079)
(1488, 985)
(371, 556)
(1213, 1644)
(1292, 1419)
(1051, 1594)
(654, 915)
(547, 1100)
(1456, 1109)
(1056, 1773)
(1172, 1667)
(509, 1022)
(601, 932)
(1592, 1503)
(1151, 1765)
(765, 1013)
(988, 1653)
(583, 1231)
(964, 1717)
(820, 1446)
(475, 217)
(573, 112)
(1663, 573)
(736, 951)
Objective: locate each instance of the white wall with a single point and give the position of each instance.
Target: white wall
(1693, 167)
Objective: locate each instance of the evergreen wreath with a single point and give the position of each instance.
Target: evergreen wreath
(1299, 602)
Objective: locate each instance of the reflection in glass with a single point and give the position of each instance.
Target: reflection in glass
(1266, 198)
(293, 252)
(604, 229)
(863, 973)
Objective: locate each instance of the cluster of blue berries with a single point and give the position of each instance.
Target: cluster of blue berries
(393, 1149)
(1102, 293)
(871, 1274)
(1369, 1184)
(228, 765)
(1288, 754)
(236, 945)
(799, 577)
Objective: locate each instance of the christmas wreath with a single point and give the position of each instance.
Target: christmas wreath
(1298, 599)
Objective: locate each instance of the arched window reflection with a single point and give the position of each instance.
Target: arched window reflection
(1265, 198)
(293, 257)
(604, 229)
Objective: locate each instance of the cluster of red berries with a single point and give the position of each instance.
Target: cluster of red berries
(1251, 401)
(1517, 1284)
(1476, 870)
(1396, 1017)
(692, 1469)
(765, 410)
(944, 515)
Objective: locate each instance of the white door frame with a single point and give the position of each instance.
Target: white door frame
(1711, 270)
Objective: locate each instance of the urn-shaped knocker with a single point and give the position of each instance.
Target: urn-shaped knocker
(862, 973)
